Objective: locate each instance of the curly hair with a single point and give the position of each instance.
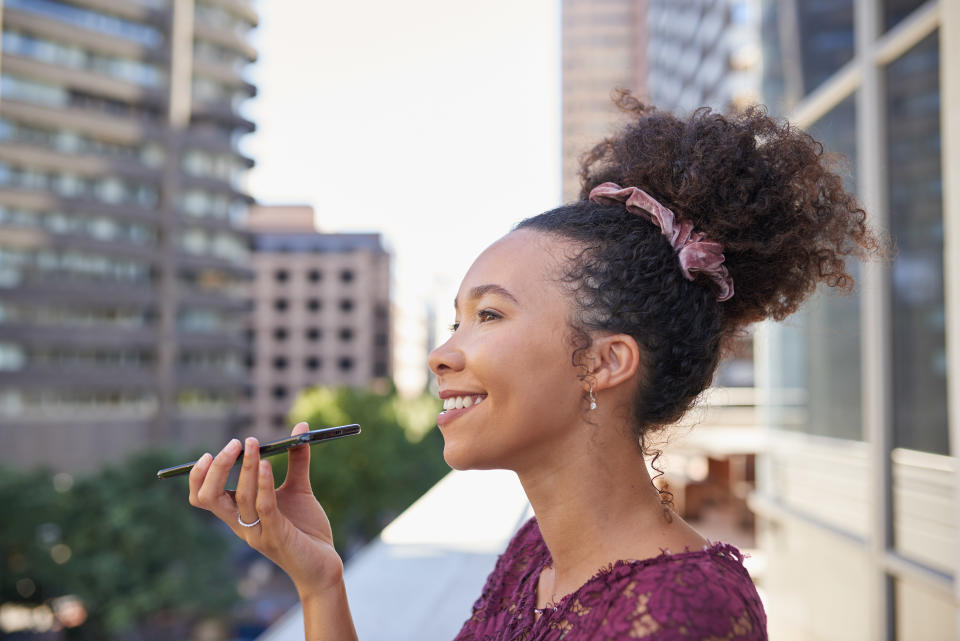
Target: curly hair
(763, 189)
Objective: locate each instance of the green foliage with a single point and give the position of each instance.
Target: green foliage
(141, 559)
(136, 549)
(364, 481)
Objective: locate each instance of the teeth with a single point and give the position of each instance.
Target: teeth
(460, 402)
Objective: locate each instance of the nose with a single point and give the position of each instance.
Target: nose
(446, 358)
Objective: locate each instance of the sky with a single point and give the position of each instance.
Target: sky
(435, 122)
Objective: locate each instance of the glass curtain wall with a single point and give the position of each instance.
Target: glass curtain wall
(861, 471)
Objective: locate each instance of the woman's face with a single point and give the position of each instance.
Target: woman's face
(511, 352)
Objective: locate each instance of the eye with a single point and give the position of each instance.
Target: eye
(485, 315)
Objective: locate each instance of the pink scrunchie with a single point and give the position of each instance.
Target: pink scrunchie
(696, 254)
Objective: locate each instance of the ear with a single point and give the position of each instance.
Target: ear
(613, 360)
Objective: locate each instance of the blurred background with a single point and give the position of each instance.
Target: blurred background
(219, 217)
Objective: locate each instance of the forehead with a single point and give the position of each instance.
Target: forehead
(525, 262)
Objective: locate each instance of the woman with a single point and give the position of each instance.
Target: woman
(579, 336)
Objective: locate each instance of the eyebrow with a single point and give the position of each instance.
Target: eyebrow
(481, 290)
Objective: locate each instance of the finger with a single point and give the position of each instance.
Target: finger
(298, 462)
(271, 519)
(197, 474)
(246, 494)
(211, 493)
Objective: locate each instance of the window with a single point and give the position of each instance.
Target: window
(896, 10)
(346, 305)
(279, 392)
(314, 304)
(314, 275)
(831, 320)
(345, 363)
(281, 304)
(279, 420)
(916, 223)
(313, 363)
(280, 333)
(92, 20)
(346, 276)
(281, 275)
(380, 340)
(380, 369)
(314, 334)
(345, 334)
(280, 363)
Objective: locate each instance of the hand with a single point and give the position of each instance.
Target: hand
(293, 531)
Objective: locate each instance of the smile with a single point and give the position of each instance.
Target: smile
(459, 402)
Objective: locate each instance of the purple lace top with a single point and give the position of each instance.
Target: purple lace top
(704, 594)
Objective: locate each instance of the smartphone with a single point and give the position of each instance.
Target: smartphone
(276, 447)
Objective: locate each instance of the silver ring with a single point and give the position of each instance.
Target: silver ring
(240, 521)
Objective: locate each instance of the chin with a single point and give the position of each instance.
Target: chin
(463, 459)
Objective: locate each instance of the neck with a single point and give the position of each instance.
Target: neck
(595, 504)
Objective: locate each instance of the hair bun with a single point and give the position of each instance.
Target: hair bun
(763, 189)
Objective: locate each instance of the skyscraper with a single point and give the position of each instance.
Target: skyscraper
(703, 53)
(122, 259)
(603, 48)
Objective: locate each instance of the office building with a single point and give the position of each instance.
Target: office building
(857, 497)
(320, 312)
(703, 53)
(122, 259)
(602, 49)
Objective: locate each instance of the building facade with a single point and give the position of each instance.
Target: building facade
(122, 259)
(602, 49)
(703, 53)
(320, 312)
(857, 497)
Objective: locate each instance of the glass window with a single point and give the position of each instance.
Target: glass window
(12, 87)
(896, 10)
(93, 20)
(832, 320)
(12, 357)
(916, 222)
(804, 43)
(815, 355)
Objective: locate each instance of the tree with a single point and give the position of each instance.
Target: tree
(128, 546)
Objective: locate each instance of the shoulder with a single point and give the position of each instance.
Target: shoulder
(700, 594)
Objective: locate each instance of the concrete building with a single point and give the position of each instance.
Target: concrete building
(321, 312)
(122, 262)
(703, 53)
(857, 502)
(603, 48)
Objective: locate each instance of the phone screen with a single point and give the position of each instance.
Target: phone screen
(276, 447)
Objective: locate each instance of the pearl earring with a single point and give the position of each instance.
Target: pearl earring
(593, 399)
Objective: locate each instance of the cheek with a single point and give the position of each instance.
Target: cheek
(539, 380)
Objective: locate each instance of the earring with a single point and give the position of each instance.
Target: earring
(593, 399)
